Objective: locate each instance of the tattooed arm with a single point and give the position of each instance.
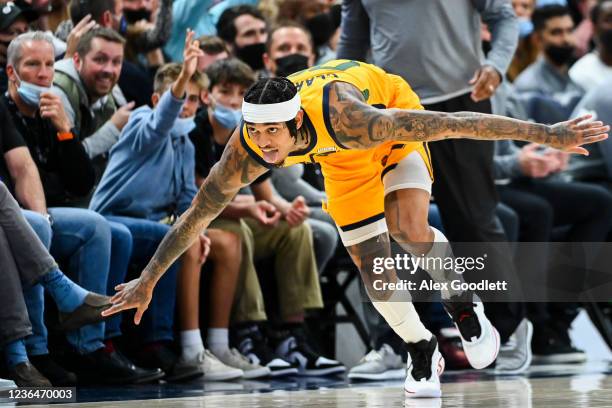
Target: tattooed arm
(358, 125)
(235, 170)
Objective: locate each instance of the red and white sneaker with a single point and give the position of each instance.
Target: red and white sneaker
(479, 338)
(425, 366)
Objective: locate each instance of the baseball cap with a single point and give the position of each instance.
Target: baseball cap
(10, 12)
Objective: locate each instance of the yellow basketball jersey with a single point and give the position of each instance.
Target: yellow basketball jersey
(379, 89)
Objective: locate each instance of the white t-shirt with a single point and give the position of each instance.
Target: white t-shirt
(589, 71)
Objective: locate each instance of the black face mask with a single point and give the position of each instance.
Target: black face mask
(560, 55)
(134, 16)
(290, 64)
(605, 38)
(321, 28)
(252, 55)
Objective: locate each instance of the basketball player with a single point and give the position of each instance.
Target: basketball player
(368, 130)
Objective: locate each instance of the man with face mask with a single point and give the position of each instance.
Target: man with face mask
(545, 86)
(245, 30)
(596, 67)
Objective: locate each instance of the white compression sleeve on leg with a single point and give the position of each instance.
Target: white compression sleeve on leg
(403, 318)
(441, 249)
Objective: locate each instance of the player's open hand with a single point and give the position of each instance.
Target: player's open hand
(135, 294)
(571, 135)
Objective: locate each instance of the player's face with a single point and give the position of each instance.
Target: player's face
(273, 139)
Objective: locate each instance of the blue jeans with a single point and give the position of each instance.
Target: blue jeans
(82, 241)
(121, 252)
(157, 322)
(35, 296)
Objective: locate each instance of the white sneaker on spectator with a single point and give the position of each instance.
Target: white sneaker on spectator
(515, 354)
(233, 358)
(378, 365)
(215, 370)
(425, 366)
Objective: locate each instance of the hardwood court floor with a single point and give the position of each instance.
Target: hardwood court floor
(588, 385)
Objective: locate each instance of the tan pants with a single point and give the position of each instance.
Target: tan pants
(295, 269)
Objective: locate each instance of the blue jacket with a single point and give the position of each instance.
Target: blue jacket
(150, 172)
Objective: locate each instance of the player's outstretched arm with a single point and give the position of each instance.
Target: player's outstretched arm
(235, 170)
(358, 125)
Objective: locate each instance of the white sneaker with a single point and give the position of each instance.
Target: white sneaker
(379, 365)
(215, 370)
(7, 384)
(425, 366)
(515, 354)
(233, 358)
(479, 338)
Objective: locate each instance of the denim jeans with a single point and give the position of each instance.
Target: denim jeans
(121, 252)
(35, 296)
(157, 322)
(82, 241)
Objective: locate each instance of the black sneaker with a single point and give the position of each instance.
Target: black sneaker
(553, 346)
(160, 355)
(295, 349)
(479, 338)
(252, 344)
(56, 374)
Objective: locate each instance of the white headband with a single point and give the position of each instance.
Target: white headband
(271, 112)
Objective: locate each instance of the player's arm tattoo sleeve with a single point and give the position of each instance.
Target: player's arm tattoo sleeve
(358, 125)
(235, 170)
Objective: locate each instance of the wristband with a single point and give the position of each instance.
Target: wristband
(63, 136)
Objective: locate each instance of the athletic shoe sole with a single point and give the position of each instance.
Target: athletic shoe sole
(395, 374)
(256, 373)
(283, 372)
(565, 358)
(427, 392)
(322, 371)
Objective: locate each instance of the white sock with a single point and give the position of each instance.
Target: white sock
(192, 345)
(403, 318)
(217, 340)
(441, 249)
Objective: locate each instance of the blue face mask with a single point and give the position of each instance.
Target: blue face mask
(183, 126)
(525, 27)
(30, 93)
(227, 117)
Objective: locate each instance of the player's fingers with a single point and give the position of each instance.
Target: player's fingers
(578, 150)
(116, 308)
(595, 131)
(581, 118)
(594, 139)
(138, 316)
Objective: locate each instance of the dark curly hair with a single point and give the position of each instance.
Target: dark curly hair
(273, 90)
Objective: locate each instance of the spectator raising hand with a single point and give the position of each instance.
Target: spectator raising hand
(79, 30)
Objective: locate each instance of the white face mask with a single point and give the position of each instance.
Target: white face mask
(183, 126)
